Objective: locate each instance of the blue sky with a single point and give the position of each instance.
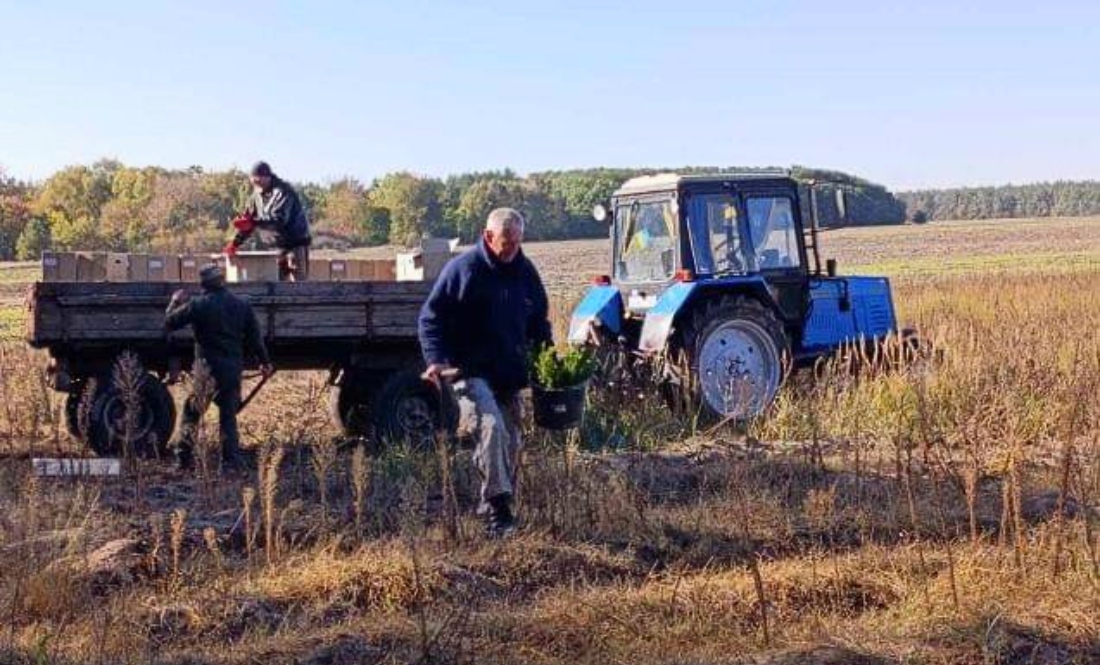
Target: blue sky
(907, 94)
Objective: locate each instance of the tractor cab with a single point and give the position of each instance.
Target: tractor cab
(688, 248)
(670, 228)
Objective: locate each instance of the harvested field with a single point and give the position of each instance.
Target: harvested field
(946, 512)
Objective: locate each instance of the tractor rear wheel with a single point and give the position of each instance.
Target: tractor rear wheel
(732, 350)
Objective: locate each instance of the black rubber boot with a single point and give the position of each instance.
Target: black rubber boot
(185, 461)
(501, 523)
(233, 459)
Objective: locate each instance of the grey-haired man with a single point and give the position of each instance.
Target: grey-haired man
(225, 328)
(487, 311)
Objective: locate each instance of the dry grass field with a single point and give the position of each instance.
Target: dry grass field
(944, 512)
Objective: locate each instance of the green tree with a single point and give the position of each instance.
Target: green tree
(224, 195)
(581, 190)
(545, 214)
(455, 186)
(376, 226)
(123, 220)
(480, 198)
(413, 206)
(71, 200)
(345, 210)
(313, 200)
(14, 215)
(34, 240)
(1041, 199)
(190, 211)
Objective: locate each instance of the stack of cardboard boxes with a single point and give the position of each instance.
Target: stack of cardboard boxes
(245, 267)
(116, 267)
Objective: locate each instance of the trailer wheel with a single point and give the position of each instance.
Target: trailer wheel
(407, 409)
(154, 423)
(733, 349)
(349, 403)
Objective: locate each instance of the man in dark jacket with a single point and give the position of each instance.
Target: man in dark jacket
(487, 311)
(275, 206)
(225, 327)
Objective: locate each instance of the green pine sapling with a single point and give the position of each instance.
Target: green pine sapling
(553, 371)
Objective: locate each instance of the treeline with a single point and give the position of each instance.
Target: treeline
(114, 207)
(1046, 199)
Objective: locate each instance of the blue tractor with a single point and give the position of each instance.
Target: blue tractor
(720, 277)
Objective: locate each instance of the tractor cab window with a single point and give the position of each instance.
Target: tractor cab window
(715, 234)
(645, 241)
(775, 240)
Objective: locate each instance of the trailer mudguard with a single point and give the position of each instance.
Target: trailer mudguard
(601, 307)
(659, 320)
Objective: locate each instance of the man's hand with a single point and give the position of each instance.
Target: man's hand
(179, 296)
(267, 369)
(244, 223)
(230, 249)
(436, 372)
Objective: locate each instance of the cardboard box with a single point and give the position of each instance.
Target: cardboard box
(58, 267)
(172, 269)
(320, 270)
(91, 266)
(342, 270)
(118, 267)
(253, 267)
(189, 268)
(154, 268)
(351, 270)
(426, 262)
(139, 268)
(380, 270)
(163, 268)
(410, 266)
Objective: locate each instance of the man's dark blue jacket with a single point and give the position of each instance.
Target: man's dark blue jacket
(484, 316)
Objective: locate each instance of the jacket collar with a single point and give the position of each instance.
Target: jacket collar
(494, 263)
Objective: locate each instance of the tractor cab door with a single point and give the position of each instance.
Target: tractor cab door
(775, 246)
(740, 228)
(715, 232)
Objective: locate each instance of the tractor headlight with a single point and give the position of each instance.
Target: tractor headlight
(600, 213)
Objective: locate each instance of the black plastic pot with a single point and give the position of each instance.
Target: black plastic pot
(558, 409)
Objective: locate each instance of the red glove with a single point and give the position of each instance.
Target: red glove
(230, 249)
(244, 223)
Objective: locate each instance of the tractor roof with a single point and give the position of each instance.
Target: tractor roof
(667, 181)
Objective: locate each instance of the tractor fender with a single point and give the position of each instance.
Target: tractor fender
(601, 307)
(660, 321)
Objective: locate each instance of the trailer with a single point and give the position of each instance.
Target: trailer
(364, 334)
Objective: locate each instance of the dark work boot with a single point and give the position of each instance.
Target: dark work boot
(501, 523)
(185, 461)
(233, 459)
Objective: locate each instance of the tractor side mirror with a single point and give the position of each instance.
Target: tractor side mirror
(600, 213)
(830, 267)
